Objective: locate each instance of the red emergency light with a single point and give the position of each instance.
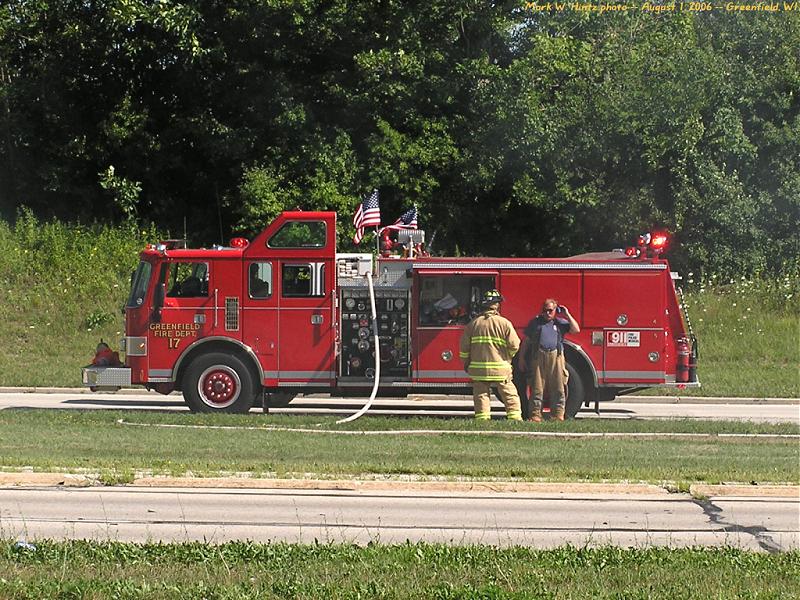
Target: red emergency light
(239, 242)
(658, 240)
(649, 245)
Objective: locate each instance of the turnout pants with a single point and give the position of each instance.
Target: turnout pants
(482, 395)
(548, 374)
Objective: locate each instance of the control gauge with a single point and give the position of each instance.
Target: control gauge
(363, 333)
(399, 303)
(350, 302)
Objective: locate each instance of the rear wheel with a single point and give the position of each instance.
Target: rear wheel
(521, 382)
(219, 382)
(606, 394)
(576, 392)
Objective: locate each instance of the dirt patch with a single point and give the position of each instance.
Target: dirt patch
(700, 490)
(548, 488)
(45, 479)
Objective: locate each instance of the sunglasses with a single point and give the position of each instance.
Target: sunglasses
(548, 310)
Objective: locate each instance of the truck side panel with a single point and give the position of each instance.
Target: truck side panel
(627, 307)
(636, 295)
(525, 291)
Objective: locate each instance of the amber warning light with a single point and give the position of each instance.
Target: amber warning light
(649, 245)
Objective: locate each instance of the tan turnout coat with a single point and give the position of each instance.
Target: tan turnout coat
(487, 346)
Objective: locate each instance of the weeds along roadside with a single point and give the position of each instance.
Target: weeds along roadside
(278, 570)
(62, 287)
(749, 334)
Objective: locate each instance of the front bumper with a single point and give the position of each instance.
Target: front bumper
(105, 378)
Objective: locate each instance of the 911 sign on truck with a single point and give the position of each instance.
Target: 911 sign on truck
(285, 314)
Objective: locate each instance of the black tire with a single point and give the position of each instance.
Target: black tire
(521, 383)
(218, 382)
(279, 399)
(576, 392)
(606, 394)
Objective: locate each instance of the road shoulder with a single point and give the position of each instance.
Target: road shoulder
(554, 488)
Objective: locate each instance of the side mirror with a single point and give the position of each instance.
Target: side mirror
(158, 302)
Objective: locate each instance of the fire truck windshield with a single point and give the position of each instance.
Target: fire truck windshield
(139, 281)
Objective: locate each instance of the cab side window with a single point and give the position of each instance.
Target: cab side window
(299, 234)
(187, 280)
(260, 280)
(303, 280)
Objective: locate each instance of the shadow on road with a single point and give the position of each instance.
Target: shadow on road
(125, 403)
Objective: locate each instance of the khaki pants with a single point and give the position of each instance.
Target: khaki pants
(548, 374)
(482, 395)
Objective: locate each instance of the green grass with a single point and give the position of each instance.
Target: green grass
(749, 334)
(62, 287)
(95, 441)
(244, 570)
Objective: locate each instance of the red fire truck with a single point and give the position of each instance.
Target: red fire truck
(286, 314)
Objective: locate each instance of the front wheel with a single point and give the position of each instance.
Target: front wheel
(576, 392)
(219, 382)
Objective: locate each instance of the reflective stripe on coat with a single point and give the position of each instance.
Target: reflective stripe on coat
(487, 346)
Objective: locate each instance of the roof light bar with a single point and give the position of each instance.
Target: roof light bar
(649, 245)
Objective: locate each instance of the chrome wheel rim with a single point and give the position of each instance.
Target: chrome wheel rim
(219, 386)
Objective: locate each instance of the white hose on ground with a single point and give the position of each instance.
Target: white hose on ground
(365, 408)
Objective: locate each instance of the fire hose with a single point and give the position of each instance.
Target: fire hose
(365, 408)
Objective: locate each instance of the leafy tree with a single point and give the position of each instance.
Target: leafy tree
(515, 132)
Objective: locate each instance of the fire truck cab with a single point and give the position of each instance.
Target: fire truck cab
(285, 314)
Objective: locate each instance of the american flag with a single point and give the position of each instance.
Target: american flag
(408, 220)
(367, 215)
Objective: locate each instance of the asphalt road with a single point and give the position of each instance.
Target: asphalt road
(535, 516)
(504, 519)
(777, 411)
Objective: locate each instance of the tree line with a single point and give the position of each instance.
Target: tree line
(514, 132)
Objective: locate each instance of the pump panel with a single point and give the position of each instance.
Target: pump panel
(357, 358)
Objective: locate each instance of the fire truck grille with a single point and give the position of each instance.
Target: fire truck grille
(232, 314)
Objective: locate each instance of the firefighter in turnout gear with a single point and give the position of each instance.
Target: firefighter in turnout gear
(488, 344)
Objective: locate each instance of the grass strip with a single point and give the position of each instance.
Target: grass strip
(94, 440)
(380, 423)
(243, 570)
(526, 433)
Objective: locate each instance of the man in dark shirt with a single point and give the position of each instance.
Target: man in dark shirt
(542, 358)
